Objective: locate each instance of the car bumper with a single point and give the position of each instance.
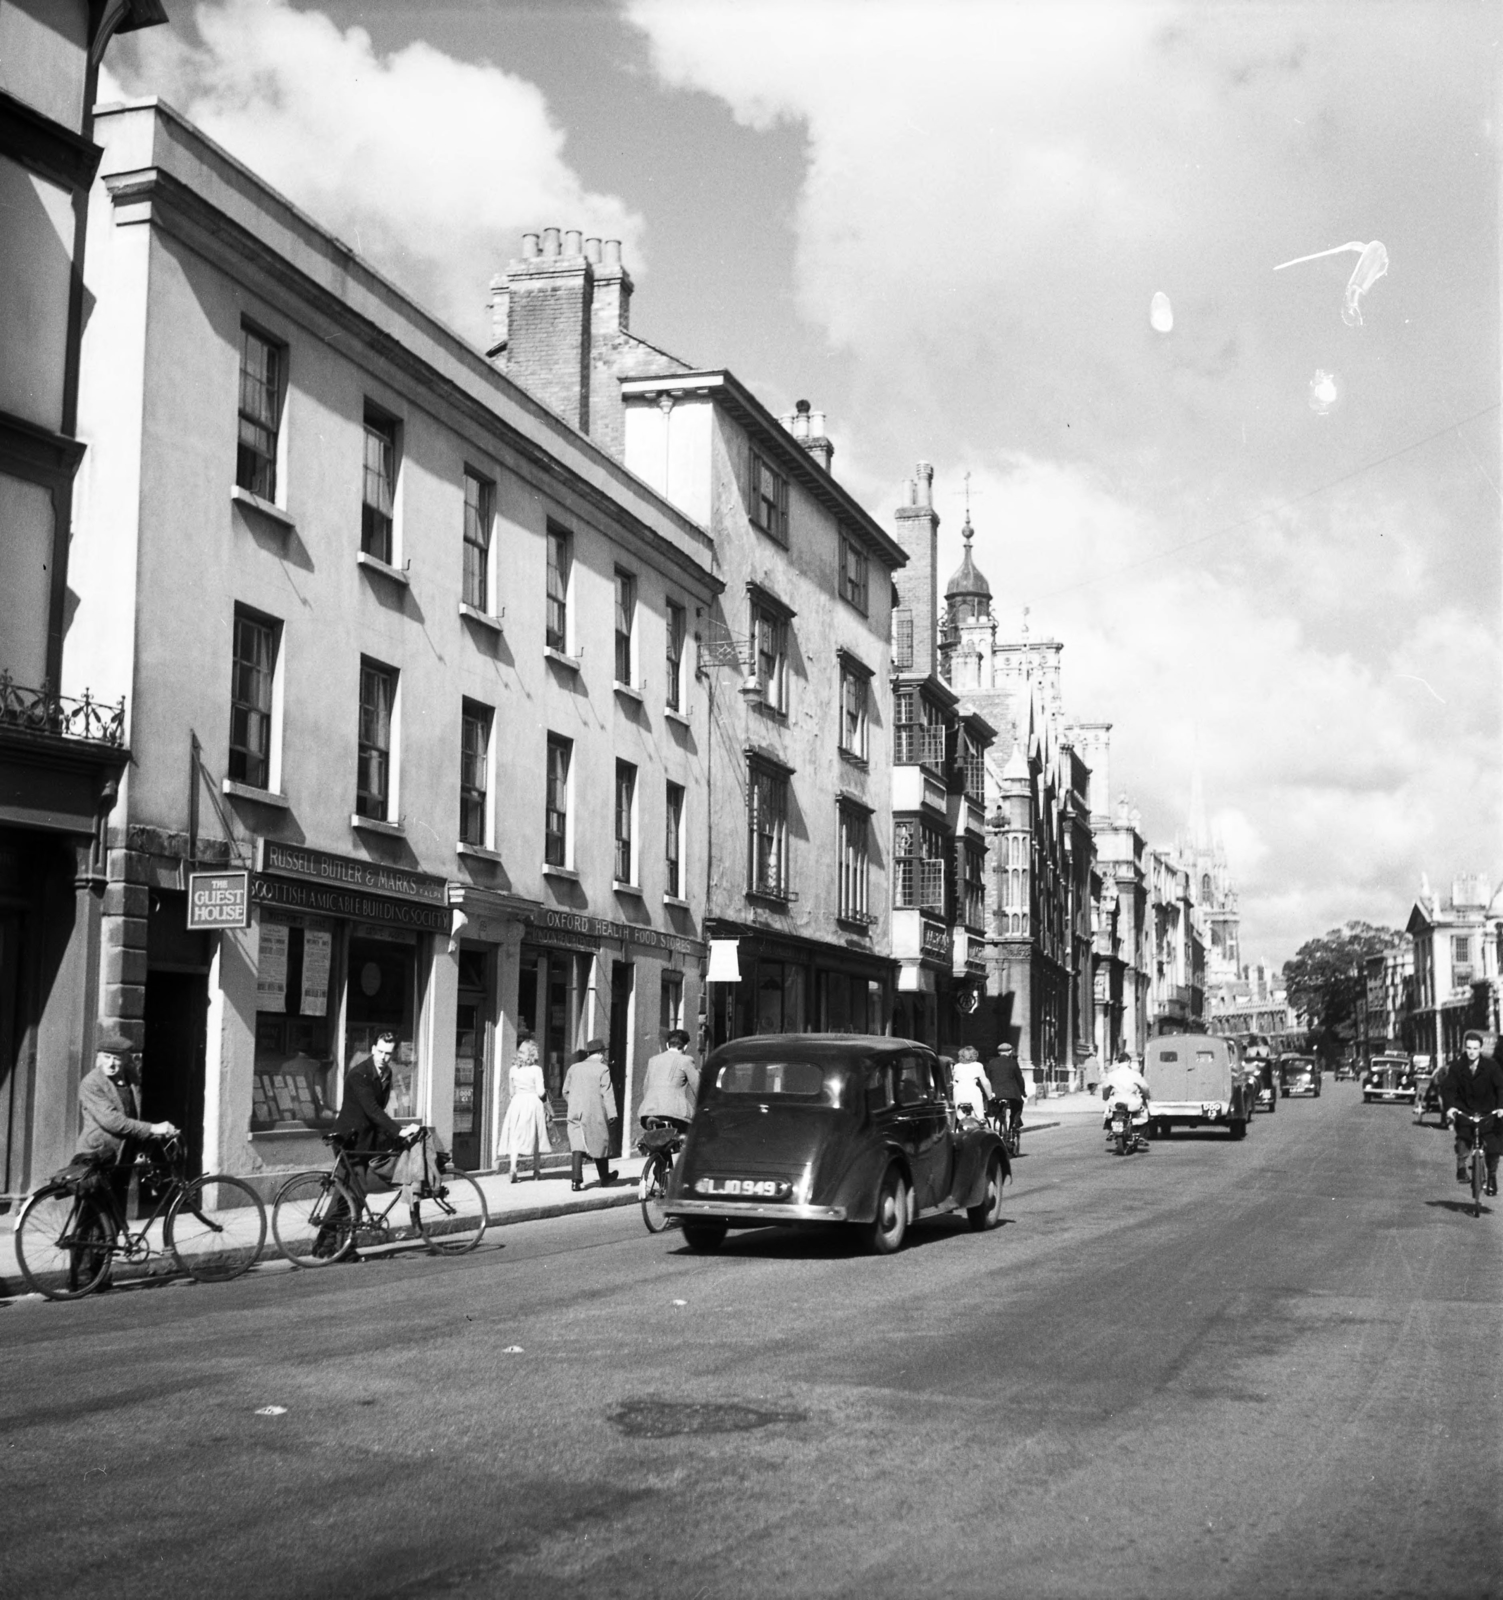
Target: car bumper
(1189, 1111)
(1390, 1094)
(737, 1211)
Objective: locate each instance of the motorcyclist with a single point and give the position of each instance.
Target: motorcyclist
(1125, 1083)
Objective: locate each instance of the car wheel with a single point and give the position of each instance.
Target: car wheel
(989, 1212)
(885, 1232)
(704, 1237)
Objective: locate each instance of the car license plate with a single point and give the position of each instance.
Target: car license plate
(744, 1188)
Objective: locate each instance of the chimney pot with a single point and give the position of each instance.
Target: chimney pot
(529, 246)
(592, 250)
(550, 241)
(925, 484)
(573, 242)
(817, 424)
(613, 252)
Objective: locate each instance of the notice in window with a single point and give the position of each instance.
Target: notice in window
(317, 945)
(271, 967)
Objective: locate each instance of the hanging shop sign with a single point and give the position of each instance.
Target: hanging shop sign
(218, 900)
(349, 873)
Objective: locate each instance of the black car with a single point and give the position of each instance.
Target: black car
(821, 1128)
(1299, 1075)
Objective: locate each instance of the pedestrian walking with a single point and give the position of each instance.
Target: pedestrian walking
(524, 1130)
(592, 1109)
(671, 1085)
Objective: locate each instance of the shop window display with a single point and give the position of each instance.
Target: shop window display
(381, 976)
(294, 1065)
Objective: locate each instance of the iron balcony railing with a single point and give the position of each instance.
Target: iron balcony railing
(61, 716)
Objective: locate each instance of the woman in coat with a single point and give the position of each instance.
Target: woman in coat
(524, 1131)
(592, 1107)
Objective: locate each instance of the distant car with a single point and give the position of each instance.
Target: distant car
(1391, 1078)
(821, 1128)
(1299, 1075)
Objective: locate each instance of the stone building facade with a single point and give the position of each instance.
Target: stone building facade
(797, 885)
(1458, 968)
(398, 643)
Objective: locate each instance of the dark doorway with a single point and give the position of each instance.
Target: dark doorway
(621, 982)
(469, 1059)
(172, 1068)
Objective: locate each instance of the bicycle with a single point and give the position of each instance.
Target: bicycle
(1476, 1157)
(70, 1231)
(660, 1142)
(319, 1217)
(1006, 1121)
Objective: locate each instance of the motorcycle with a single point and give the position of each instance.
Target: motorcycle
(1124, 1127)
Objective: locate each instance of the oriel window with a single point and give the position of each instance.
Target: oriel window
(378, 688)
(250, 700)
(261, 372)
(479, 514)
(380, 487)
(474, 771)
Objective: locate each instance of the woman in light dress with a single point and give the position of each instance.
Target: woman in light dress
(525, 1128)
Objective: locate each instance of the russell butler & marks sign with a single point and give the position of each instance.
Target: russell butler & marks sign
(344, 886)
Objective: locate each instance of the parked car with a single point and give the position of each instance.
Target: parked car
(820, 1128)
(1197, 1081)
(1299, 1075)
(1391, 1078)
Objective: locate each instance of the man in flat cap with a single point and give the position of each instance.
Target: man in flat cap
(592, 1109)
(108, 1107)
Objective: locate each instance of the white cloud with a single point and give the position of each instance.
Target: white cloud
(429, 166)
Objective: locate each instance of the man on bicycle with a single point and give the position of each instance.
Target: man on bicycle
(670, 1088)
(370, 1138)
(1474, 1085)
(107, 1104)
(1006, 1079)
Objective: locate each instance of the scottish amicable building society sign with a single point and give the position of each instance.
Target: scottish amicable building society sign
(218, 900)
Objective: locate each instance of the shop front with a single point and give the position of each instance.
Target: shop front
(582, 977)
(783, 984)
(922, 944)
(343, 950)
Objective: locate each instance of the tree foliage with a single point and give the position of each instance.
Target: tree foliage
(1326, 979)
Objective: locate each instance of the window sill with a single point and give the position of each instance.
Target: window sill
(676, 716)
(567, 873)
(248, 791)
(254, 502)
(482, 619)
(676, 901)
(621, 886)
(775, 897)
(570, 663)
(390, 830)
(375, 564)
(626, 690)
(864, 920)
(479, 852)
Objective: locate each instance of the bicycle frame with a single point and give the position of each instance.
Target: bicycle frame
(1476, 1156)
(136, 1245)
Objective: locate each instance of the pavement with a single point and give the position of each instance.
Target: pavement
(528, 1200)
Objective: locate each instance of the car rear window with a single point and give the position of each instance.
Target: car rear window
(1168, 1055)
(782, 1080)
(1205, 1055)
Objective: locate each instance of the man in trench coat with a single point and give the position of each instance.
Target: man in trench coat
(592, 1108)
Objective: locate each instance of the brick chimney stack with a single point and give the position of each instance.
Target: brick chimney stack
(918, 582)
(808, 427)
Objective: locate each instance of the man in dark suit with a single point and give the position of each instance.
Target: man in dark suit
(108, 1107)
(370, 1137)
(1474, 1085)
(1006, 1079)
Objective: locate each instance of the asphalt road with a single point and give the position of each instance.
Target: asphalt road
(1215, 1369)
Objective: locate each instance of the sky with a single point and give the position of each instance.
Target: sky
(1268, 534)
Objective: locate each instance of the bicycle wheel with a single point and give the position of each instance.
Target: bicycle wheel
(311, 1220)
(653, 1190)
(1479, 1180)
(216, 1228)
(63, 1243)
(454, 1220)
(1014, 1138)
